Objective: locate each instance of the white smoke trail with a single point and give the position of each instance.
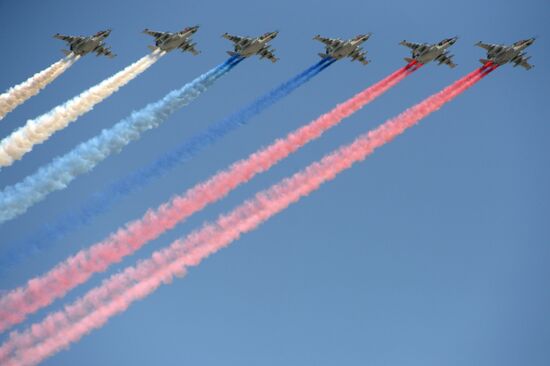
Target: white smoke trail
(17, 95)
(55, 176)
(38, 130)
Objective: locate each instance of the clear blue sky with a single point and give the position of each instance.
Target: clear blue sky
(434, 251)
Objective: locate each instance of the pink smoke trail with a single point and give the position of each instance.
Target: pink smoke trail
(62, 328)
(43, 290)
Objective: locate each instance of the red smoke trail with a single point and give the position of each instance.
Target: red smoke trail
(62, 328)
(43, 290)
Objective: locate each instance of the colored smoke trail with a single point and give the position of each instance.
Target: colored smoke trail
(38, 130)
(102, 201)
(16, 199)
(20, 93)
(43, 290)
(58, 330)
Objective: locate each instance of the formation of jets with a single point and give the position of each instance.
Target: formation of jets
(334, 47)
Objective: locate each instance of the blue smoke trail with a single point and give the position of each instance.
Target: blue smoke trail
(16, 199)
(102, 201)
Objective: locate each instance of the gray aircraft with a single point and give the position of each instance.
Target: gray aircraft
(501, 54)
(337, 48)
(424, 52)
(81, 45)
(167, 41)
(249, 46)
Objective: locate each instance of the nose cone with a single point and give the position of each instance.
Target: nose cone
(453, 40)
(191, 30)
(273, 34)
(362, 37)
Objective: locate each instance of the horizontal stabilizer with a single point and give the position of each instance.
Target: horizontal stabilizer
(152, 48)
(67, 53)
(484, 61)
(408, 59)
(323, 55)
(231, 53)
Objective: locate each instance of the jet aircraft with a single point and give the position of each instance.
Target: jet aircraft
(81, 45)
(337, 48)
(167, 41)
(424, 52)
(249, 46)
(502, 54)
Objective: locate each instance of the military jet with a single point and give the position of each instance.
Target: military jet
(81, 46)
(249, 46)
(337, 48)
(501, 54)
(167, 41)
(424, 52)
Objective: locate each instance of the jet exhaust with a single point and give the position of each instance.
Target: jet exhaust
(58, 330)
(16, 199)
(102, 201)
(43, 290)
(20, 93)
(38, 130)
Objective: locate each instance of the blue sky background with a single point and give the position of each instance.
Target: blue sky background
(433, 251)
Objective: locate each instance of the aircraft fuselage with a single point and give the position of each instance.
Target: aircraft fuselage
(251, 48)
(503, 55)
(344, 50)
(173, 41)
(427, 53)
(86, 45)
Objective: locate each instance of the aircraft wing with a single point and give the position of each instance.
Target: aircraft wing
(69, 39)
(359, 56)
(486, 46)
(523, 62)
(234, 39)
(267, 53)
(190, 47)
(101, 50)
(445, 59)
(329, 42)
(411, 45)
(155, 34)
